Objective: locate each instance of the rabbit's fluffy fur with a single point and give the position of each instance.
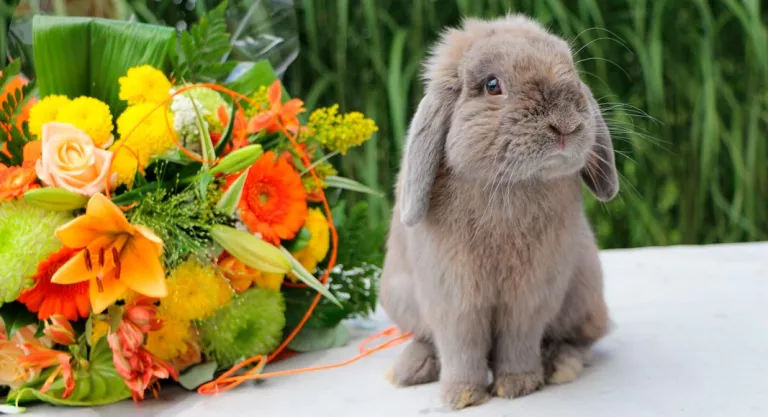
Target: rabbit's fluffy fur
(491, 262)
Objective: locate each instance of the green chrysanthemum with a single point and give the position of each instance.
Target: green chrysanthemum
(252, 324)
(26, 238)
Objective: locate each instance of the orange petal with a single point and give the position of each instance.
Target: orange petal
(111, 290)
(33, 150)
(76, 269)
(141, 268)
(148, 234)
(259, 122)
(275, 94)
(293, 107)
(105, 212)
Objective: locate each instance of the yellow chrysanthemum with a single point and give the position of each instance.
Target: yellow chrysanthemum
(170, 341)
(45, 111)
(144, 134)
(91, 116)
(319, 243)
(99, 330)
(195, 291)
(144, 84)
(339, 132)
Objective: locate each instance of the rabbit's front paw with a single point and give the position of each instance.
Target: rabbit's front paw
(418, 364)
(517, 385)
(458, 395)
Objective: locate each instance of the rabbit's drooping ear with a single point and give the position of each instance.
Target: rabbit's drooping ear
(600, 171)
(424, 150)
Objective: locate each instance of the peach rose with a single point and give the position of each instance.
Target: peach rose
(71, 161)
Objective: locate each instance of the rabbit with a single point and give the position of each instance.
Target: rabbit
(491, 262)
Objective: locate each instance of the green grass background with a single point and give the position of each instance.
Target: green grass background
(683, 84)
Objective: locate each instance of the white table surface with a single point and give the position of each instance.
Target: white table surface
(690, 339)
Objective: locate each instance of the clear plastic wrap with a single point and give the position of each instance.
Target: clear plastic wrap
(260, 29)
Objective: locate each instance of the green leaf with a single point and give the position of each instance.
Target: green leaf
(205, 180)
(203, 49)
(86, 57)
(206, 143)
(260, 74)
(314, 339)
(16, 316)
(306, 277)
(97, 384)
(251, 250)
(351, 185)
(228, 202)
(198, 375)
(300, 241)
(226, 137)
(115, 314)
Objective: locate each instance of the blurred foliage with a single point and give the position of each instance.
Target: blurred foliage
(683, 85)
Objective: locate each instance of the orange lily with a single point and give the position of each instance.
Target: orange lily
(278, 114)
(115, 256)
(239, 130)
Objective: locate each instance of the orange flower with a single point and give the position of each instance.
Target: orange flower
(15, 181)
(40, 358)
(273, 201)
(47, 299)
(115, 256)
(278, 114)
(239, 130)
(241, 277)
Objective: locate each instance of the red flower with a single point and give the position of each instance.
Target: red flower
(47, 298)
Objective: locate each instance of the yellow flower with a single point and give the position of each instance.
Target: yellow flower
(339, 132)
(99, 330)
(91, 116)
(144, 134)
(195, 291)
(144, 84)
(319, 243)
(170, 341)
(45, 111)
(323, 170)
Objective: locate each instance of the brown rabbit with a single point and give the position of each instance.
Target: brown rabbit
(491, 261)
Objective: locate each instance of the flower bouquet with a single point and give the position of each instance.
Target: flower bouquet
(163, 218)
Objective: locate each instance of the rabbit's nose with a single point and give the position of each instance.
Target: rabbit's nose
(562, 131)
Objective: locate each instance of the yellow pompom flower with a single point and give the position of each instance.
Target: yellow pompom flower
(144, 84)
(195, 291)
(91, 116)
(45, 111)
(170, 341)
(319, 242)
(339, 132)
(144, 134)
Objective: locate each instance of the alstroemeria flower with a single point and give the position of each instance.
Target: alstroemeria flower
(278, 114)
(40, 358)
(115, 255)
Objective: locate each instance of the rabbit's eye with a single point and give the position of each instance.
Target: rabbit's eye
(493, 86)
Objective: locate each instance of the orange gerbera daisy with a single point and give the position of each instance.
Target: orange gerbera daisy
(274, 201)
(278, 114)
(15, 181)
(47, 298)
